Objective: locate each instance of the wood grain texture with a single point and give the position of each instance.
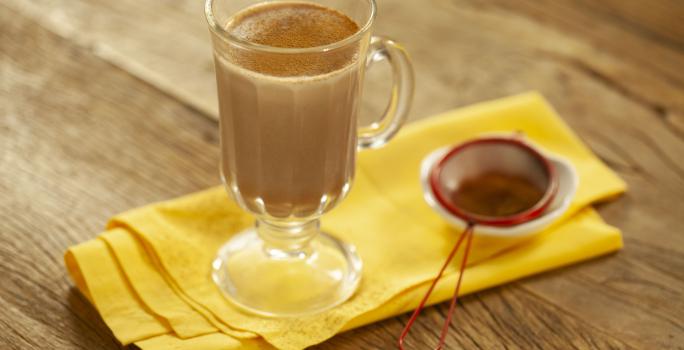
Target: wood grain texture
(100, 113)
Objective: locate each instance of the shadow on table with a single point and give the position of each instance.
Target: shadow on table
(91, 329)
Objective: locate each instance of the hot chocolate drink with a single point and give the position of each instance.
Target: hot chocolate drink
(288, 120)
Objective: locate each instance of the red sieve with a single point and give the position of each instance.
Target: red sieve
(473, 159)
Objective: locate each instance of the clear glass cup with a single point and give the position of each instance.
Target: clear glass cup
(288, 142)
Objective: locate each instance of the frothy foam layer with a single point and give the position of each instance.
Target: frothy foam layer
(292, 25)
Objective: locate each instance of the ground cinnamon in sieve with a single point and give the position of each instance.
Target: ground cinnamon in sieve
(497, 195)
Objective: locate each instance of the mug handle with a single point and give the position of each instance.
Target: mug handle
(378, 133)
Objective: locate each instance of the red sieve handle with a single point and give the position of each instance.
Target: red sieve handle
(468, 232)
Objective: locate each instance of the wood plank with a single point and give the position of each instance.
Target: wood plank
(65, 170)
(609, 26)
(83, 172)
(167, 44)
(660, 21)
(627, 56)
(79, 141)
(624, 295)
(500, 318)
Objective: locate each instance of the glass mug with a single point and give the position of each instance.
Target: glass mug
(289, 136)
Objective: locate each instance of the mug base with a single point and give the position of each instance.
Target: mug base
(323, 276)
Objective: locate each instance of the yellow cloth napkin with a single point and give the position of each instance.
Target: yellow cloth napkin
(148, 274)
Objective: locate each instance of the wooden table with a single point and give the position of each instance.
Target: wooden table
(108, 105)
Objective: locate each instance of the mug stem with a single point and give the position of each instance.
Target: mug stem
(287, 239)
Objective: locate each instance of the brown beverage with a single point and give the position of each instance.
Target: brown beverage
(288, 121)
